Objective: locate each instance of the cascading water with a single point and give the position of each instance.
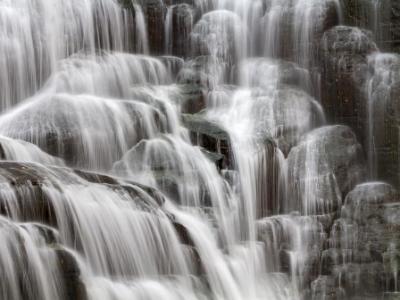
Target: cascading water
(207, 171)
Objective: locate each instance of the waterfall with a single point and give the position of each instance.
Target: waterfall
(203, 149)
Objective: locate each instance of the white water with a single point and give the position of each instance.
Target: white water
(157, 219)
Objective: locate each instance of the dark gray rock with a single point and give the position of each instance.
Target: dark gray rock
(71, 275)
(180, 23)
(209, 135)
(155, 11)
(192, 98)
(343, 55)
(30, 185)
(380, 16)
(323, 168)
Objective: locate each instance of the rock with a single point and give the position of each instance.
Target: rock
(323, 168)
(178, 174)
(368, 200)
(69, 126)
(30, 188)
(192, 98)
(381, 17)
(71, 275)
(179, 23)
(391, 296)
(325, 287)
(216, 158)
(281, 235)
(209, 135)
(292, 113)
(365, 280)
(383, 94)
(173, 64)
(365, 241)
(217, 34)
(155, 11)
(266, 72)
(343, 55)
(203, 70)
(37, 264)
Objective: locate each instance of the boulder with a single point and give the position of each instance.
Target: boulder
(343, 55)
(368, 200)
(291, 114)
(323, 168)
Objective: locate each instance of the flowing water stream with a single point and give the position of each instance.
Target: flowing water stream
(175, 150)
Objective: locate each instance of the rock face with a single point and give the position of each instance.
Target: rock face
(381, 17)
(179, 23)
(71, 275)
(155, 11)
(209, 135)
(362, 258)
(36, 264)
(343, 54)
(383, 96)
(30, 186)
(323, 168)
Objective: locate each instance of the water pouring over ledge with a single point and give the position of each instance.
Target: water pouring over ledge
(206, 170)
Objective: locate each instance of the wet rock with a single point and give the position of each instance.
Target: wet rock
(324, 167)
(383, 91)
(292, 244)
(391, 296)
(216, 158)
(291, 113)
(325, 287)
(193, 98)
(368, 200)
(365, 241)
(217, 33)
(209, 135)
(71, 275)
(180, 18)
(367, 280)
(266, 72)
(381, 17)
(64, 126)
(173, 64)
(26, 190)
(203, 70)
(155, 11)
(343, 55)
